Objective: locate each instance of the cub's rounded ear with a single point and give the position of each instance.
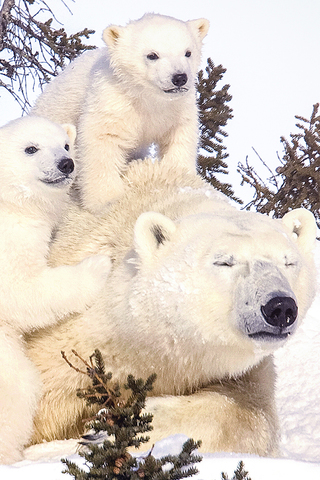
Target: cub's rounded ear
(150, 232)
(200, 26)
(111, 34)
(303, 227)
(71, 131)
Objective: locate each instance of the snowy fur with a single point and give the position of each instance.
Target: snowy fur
(183, 264)
(127, 96)
(36, 172)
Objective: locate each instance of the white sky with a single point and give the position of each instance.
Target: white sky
(271, 49)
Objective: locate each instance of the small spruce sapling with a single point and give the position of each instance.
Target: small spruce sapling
(123, 422)
(239, 473)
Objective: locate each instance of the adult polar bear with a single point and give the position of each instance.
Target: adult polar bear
(36, 173)
(199, 293)
(140, 90)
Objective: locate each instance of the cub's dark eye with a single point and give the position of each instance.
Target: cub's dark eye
(188, 53)
(67, 147)
(31, 150)
(152, 56)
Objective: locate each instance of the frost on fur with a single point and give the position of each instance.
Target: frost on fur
(138, 91)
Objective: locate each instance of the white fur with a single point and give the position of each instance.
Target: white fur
(121, 101)
(20, 391)
(36, 173)
(189, 277)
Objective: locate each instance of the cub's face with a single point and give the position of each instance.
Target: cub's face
(158, 53)
(237, 280)
(170, 59)
(36, 157)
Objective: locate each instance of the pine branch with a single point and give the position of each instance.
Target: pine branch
(214, 113)
(123, 422)
(296, 181)
(239, 473)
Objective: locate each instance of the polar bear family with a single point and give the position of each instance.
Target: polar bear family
(198, 292)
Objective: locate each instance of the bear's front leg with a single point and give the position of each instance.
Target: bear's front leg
(68, 289)
(99, 180)
(56, 292)
(180, 145)
(232, 416)
(104, 141)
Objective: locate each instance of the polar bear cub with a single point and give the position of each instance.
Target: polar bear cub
(36, 172)
(138, 91)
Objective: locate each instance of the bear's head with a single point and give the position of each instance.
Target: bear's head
(157, 52)
(227, 288)
(36, 160)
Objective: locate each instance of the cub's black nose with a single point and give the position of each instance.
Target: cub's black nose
(66, 165)
(179, 79)
(280, 312)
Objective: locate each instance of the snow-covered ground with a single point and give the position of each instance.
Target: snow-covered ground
(298, 399)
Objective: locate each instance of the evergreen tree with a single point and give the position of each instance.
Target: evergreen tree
(296, 182)
(32, 50)
(214, 114)
(123, 422)
(239, 473)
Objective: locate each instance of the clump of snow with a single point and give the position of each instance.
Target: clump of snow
(298, 393)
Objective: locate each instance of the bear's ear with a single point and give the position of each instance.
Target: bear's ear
(111, 34)
(150, 232)
(71, 131)
(302, 224)
(200, 26)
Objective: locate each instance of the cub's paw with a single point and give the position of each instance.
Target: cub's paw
(94, 271)
(98, 201)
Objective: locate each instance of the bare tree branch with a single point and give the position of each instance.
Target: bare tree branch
(5, 18)
(32, 50)
(296, 182)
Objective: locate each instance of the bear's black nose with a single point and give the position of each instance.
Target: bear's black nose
(280, 312)
(66, 165)
(179, 79)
